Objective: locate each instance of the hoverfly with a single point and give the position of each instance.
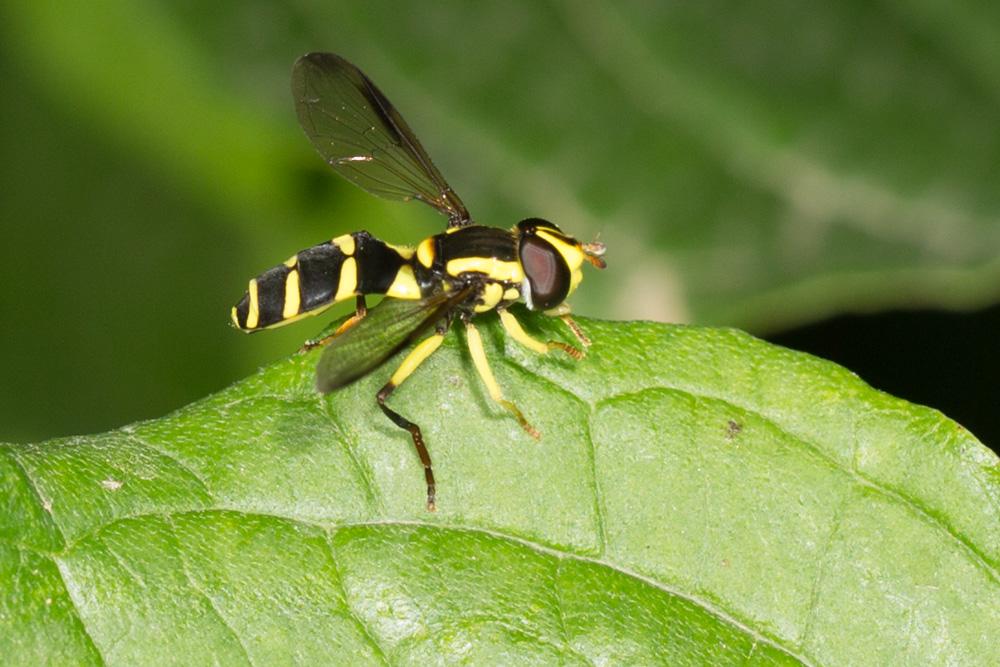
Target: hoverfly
(465, 271)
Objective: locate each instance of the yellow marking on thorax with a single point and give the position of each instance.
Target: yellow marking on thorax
(512, 294)
(235, 318)
(292, 299)
(508, 272)
(425, 252)
(348, 279)
(491, 296)
(404, 285)
(253, 313)
(345, 243)
(292, 261)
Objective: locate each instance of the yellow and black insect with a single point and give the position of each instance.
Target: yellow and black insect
(465, 271)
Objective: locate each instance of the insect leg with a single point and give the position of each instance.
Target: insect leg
(416, 357)
(360, 310)
(513, 328)
(575, 328)
(475, 342)
(562, 312)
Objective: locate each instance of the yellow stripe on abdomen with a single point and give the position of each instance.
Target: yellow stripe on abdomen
(346, 244)
(253, 314)
(404, 286)
(348, 280)
(292, 297)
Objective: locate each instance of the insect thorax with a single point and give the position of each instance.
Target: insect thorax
(485, 257)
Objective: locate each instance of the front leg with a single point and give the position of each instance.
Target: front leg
(516, 332)
(562, 312)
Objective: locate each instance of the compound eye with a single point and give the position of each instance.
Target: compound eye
(546, 271)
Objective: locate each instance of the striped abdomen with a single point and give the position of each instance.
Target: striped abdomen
(319, 277)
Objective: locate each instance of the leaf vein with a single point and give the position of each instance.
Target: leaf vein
(351, 612)
(173, 459)
(708, 607)
(363, 471)
(859, 478)
(199, 590)
(823, 559)
(599, 512)
(561, 612)
(48, 518)
(30, 483)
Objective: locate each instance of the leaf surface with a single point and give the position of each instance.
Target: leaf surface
(698, 496)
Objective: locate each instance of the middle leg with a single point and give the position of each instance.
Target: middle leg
(475, 342)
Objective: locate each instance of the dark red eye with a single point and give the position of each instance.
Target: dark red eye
(547, 273)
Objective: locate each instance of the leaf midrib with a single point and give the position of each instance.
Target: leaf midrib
(331, 528)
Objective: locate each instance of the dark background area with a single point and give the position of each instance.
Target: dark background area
(947, 360)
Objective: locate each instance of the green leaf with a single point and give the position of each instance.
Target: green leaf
(697, 497)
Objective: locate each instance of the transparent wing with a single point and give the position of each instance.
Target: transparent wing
(362, 136)
(384, 331)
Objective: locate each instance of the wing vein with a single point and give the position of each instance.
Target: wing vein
(346, 116)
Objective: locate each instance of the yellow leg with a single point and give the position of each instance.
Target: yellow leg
(359, 314)
(360, 310)
(513, 328)
(475, 342)
(417, 356)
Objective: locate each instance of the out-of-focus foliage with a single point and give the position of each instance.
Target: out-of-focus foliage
(754, 166)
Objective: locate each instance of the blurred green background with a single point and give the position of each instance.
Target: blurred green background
(764, 166)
